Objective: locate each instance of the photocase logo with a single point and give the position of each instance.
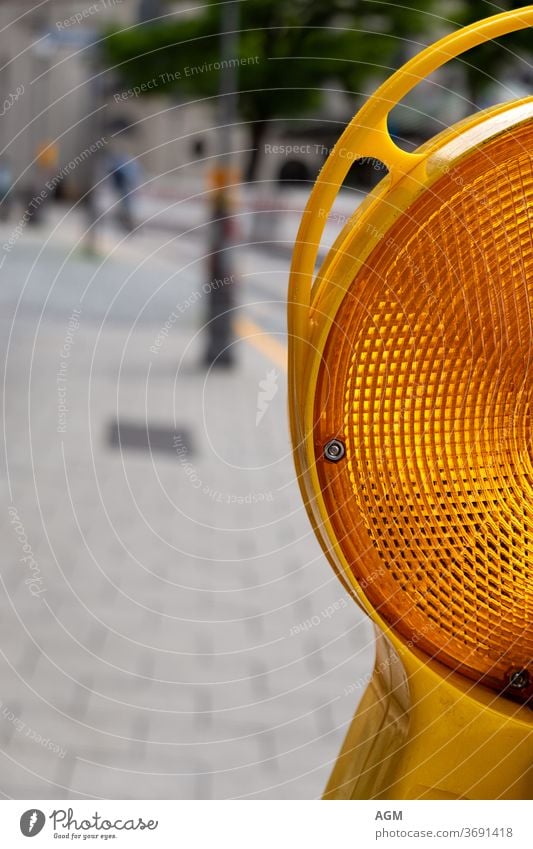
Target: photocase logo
(32, 822)
(267, 390)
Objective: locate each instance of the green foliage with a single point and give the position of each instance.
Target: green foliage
(288, 50)
(299, 44)
(485, 63)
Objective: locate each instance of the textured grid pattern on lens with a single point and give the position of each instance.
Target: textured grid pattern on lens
(429, 368)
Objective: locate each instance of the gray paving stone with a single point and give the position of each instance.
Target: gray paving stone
(169, 655)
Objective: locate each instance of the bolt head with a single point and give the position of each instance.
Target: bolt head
(518, 679)
(334, 450)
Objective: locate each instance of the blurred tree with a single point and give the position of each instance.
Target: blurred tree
(487, 63)
(288, 50)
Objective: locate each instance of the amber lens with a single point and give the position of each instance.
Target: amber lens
(426, 377)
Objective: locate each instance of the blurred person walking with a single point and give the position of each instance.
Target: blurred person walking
(125, 174)
(36, 195)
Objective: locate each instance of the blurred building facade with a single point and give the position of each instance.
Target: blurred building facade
(53, 90)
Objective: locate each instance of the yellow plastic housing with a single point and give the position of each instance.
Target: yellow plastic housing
(426, 377)
(413, 347)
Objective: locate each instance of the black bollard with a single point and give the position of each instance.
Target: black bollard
(220, 289)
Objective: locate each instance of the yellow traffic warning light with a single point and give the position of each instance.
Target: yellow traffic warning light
(410, 358)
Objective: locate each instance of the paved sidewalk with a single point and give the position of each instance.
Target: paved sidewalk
(169, 627)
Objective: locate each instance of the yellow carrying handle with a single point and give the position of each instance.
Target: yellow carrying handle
(367, 134)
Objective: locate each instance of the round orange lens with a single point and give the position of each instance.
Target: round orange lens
(426, 383)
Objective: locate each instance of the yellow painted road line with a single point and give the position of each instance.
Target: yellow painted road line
(262, 341)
